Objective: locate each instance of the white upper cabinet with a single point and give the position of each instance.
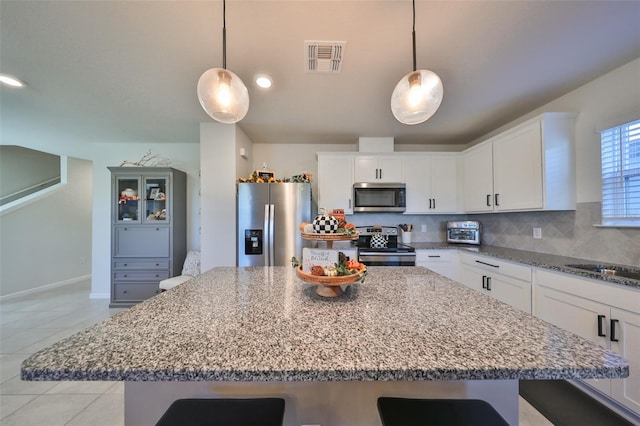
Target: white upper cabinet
(378, 168)
(478, 178)
(335, 181)
(530, 167)
(431, 183)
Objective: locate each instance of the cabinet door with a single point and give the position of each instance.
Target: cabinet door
(156, 199)
(366, 168)
(127, 199)
(627, 331)
(391, 169)
(478, 179)
(517, 169)
(511, 291)
(444, 184)
(141, 241)
(471, 277)
(335, 182)
(577, 315)
(418, 180)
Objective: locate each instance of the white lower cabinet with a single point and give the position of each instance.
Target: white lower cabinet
(606, 314)
(506, 281)
(444, 262)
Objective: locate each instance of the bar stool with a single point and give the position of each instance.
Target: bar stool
(224, 412)
(445, 412)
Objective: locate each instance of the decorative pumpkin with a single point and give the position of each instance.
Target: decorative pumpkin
(379, 241)
(324, 223)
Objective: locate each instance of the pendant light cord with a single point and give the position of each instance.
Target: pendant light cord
(413, 34)
(224, 37)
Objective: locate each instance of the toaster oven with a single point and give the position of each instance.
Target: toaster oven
(463, 232)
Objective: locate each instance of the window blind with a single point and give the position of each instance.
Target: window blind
(620, 149)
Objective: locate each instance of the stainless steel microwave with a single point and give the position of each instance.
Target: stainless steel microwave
(379, 197)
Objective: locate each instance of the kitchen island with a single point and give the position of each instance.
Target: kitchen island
(405, 331)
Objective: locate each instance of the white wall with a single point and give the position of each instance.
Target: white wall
(219, 146)
(48, 242)
(182, 156)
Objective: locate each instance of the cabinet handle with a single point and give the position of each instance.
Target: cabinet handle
(380, 173)
(489, 283)
(434, 203)
(157, 229)
(434, 255)
(124, 292)
(601, 332)
(429, 202)
(613, 330)
(125, 264)
(157, 275)
(496, 200)
(157, 264)
(488, 200)
(125, 275)
(488, 264)
(484, 281)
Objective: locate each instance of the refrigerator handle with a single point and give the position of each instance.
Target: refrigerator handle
(272, 219)
(266, 236)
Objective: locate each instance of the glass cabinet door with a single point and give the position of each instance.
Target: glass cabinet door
(156, 193)
(128, 200)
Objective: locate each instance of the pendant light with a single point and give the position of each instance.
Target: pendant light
(222, 93)
(418, 95)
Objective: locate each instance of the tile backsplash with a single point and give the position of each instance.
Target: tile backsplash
(566, 233)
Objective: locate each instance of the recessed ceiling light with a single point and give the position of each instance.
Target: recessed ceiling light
(10, 81)
(263, 81)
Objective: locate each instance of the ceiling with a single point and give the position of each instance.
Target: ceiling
(126, 71)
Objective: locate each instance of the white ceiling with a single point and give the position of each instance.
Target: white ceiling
(126, 71)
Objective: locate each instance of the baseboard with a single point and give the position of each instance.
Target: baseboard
(613, 405)
(100, 296)
(46, 287)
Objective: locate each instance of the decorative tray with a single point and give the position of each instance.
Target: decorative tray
(329, 237)
(329, 286)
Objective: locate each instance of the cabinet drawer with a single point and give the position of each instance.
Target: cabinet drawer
(134, 292)
(435, 256)
(140, 264)
(141, 275)
(141, 241)
(497, 266)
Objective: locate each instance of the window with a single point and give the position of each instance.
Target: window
(621, 175)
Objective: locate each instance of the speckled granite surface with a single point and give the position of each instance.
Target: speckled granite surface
(263, 324)
(542, 260)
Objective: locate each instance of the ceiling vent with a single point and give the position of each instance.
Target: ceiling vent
(324, 56)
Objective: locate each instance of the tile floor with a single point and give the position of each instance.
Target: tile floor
(32, 322)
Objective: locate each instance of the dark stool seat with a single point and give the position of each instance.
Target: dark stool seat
(445, 412)
(224, 412)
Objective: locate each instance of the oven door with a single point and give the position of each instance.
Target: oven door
(386, 258)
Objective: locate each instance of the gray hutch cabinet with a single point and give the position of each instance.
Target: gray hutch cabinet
(148, 230)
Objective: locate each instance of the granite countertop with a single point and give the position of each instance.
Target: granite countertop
(264, 324)
(542, 260)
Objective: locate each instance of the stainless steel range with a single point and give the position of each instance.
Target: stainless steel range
(379, 246)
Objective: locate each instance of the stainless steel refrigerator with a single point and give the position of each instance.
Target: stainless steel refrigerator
(268, 218)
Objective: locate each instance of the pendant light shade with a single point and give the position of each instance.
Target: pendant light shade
(222, 93)
(418, 95)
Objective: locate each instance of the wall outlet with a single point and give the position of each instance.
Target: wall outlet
(537, 233)
(82, 260)
(423, 228)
